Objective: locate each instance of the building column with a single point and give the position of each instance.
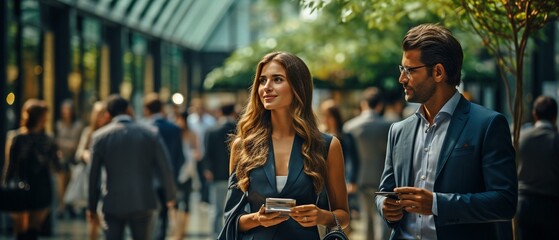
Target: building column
(154, 47)
(60, 25)
(3, 75)
(113, 38)
(543, 61)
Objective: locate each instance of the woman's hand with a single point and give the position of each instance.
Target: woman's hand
(306, 215)
(269, 219)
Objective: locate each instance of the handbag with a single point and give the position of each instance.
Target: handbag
(14, 195)
(77, 191)
(336, 233)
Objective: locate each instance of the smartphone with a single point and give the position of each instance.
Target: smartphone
(392, 195)
(283, 205)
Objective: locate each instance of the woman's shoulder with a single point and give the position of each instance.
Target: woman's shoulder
(327, 138)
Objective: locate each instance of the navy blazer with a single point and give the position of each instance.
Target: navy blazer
(299, 186)
(217, 141)
(475, 183)
(172, 136)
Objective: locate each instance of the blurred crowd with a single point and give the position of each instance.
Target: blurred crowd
(197, 159)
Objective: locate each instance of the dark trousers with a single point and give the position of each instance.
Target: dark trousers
(537, 217)
(140, 223)
(163, 216)
(205, 186)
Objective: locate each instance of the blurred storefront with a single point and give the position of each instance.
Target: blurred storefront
(87, 49)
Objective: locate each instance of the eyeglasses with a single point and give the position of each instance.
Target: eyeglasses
(408, 70)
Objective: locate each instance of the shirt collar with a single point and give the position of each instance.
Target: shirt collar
(369, 113)
(448, 107)
(543, 124)
(155, 117)
(122, 118)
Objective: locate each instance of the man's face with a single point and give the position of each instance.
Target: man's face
(419, 85)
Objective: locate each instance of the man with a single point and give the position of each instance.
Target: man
(370, 132)
(216, 162)
(130, 153)
(538, 174)
(171, 134)
(452, 163)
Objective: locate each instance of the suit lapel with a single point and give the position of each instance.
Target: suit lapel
(455, 128)
(295, 165)
(269, 167)
(295, 162)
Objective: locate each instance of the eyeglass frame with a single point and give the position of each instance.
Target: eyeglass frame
(408, 70)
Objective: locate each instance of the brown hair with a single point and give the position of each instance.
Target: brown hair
(152, 103)
(437, 45)
(32, 112)
(254, 128)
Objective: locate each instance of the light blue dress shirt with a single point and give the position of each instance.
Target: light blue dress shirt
(428, 142)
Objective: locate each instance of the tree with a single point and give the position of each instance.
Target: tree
(348, 53)
(504, 27)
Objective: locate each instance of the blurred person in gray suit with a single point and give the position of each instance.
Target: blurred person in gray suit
(538, 174)
(129, 152)
(370, 133)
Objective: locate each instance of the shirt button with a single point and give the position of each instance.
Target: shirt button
(422, 177)
(426, 149)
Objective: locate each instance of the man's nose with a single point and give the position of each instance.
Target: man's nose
(402, 78)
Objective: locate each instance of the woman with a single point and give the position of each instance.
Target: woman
(68, 130)
(187, 174)
(32, 155)
(99, 117)
(333, 124)
(279, 152)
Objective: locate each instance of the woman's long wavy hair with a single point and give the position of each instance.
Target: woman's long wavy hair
(254, 129)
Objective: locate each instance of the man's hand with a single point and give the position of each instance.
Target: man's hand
(92, 218)
(209, 175)
(170, 204)
(416, 200)
(392, 210)
(351, 187)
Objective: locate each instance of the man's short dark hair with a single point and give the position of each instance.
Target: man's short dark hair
(545, 108)
(116, 105)
(152, 103)
(373, 96)
(228, 109)
(437, 45)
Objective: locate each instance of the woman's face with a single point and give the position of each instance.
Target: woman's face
(102, 118)
(274, 90)
(329, 120)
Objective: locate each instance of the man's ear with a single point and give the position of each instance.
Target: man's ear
(439, 73)
(130, 111)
